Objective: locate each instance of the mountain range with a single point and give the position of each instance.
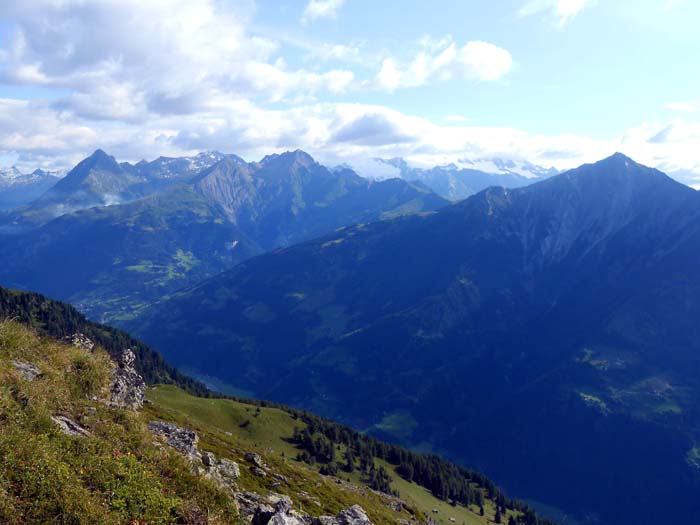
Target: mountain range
(173, 222)
(557, 321)
(457, 181)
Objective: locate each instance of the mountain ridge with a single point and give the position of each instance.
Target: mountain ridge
(540, 281)
(119, 258)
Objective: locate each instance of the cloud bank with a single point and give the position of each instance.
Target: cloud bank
(173, 77)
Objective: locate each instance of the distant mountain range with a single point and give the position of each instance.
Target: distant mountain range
(556, 321)
(127, 235)
(18, 189)
(460, 180)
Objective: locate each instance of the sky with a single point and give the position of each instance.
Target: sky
(555, 82)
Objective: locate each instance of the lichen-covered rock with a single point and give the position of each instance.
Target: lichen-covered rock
(80, 341)
(28, 371)
(228, 469)
(128, 387)
(181, 439)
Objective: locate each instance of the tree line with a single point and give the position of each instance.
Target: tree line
(320, 440)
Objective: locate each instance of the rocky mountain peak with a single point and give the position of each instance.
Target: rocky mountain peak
(288, 159)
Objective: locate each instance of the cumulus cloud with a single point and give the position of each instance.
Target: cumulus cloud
(444, 60)
(316, 9)
(562, 10)
(128, 59)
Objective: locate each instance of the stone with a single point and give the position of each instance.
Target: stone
(395, 505)
(263, 515)
(281, 514)
(70, 427)
(280, 477)
(181, 439)
(228, 469)
(80, 341)
(354, 515)
(128, 387)
(209, 459)
(259, 472)
(28, 371)
(247, 502)
(255, 459)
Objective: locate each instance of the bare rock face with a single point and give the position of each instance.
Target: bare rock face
(181, 439)
(128, 387)
(28, 371)
(80, 341)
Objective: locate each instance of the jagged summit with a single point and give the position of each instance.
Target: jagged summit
(288, 158)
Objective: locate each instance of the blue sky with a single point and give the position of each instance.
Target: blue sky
(557, 82)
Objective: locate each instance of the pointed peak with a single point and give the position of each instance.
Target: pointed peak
(100, 154)
(99, 160)
(619, 158)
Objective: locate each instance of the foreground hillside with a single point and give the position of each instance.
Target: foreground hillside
(78, 445)
(557, 321)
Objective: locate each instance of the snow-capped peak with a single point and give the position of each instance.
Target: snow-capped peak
(508, 166)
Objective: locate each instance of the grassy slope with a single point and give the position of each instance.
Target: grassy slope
(118, 475)
(121, 474)
(219, 424)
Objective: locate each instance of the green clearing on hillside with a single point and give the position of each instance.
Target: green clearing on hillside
(223, 423)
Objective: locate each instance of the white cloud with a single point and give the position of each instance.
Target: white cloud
(684, 107)
(457, 118)
(39, 134)
(562, 10)
(443, 60)
(129, 59)
(316, 9)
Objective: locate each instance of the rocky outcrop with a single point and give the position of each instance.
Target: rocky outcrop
(128, 387)
(28, 371)
(224, 471)
(80, 341)
(281, 514)
(70, 427)
(354, 515)
(273, 509)
(181, 439)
